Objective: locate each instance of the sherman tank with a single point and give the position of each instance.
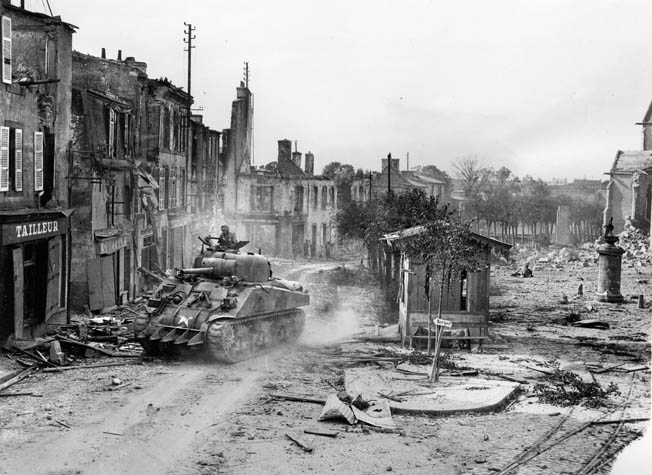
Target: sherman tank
(227, 305)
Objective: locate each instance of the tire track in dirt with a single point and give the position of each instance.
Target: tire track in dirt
(152, 430)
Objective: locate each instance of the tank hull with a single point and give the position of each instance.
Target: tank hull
(229, 320)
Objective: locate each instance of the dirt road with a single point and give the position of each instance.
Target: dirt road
(188, 416)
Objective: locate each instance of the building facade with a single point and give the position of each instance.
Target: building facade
(391, 177)
(35, 245)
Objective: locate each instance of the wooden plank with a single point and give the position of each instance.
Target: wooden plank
(19, 280)
(323, 432)
(19, 377)
(94, 277)
(54, 277)
(297, 440)
(108, 281)
(297, 398)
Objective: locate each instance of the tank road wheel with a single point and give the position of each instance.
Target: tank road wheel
(229, 342)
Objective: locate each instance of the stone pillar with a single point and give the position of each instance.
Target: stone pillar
(609, 269)
(562, 227)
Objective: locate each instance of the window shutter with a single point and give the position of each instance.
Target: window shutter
(4, 158)
(161, 188)
(175, 190)
(18, 178)
(6, 50)
(38, 161)
(111, 144)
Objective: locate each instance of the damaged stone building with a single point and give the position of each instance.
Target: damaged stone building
(286, 211)
(106, 175)
(292, 211)
(34, 190)
(142, 192)
(629, 191)
(391, 177)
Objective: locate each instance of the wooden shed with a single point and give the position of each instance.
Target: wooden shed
(465, 300)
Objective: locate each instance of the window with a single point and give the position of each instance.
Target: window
(16, 143)
(182, 194)
(162, 189)
(38, 161)
(173, 131)
(4, 158)
(315, 196)
(173, 187)
(331, 197)
(263, 198)
(324, 192)
(165, 127)
(6, 50)
(298, 199)
(11, 159)
(111, 124)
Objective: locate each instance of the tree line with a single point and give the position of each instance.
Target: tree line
(514, 209)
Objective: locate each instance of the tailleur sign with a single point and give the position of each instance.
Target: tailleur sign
(29, 231)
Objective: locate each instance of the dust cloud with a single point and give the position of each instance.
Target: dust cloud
(344, 315)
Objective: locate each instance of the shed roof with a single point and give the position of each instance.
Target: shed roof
(500, 246)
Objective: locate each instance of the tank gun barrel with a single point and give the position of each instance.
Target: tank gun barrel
(201, 270)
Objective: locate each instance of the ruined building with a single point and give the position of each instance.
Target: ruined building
(287, 211)
(34, 167)
(629, 192)
(391, 177)
(143, 191)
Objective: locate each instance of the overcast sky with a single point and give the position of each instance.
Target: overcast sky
(548, 88)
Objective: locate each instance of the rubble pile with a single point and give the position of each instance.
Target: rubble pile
(565, 388)
(636, 244)
(555, 258)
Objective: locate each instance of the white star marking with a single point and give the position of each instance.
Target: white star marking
(183, 321)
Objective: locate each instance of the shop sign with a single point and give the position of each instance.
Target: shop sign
(31, 230)
(110, 245)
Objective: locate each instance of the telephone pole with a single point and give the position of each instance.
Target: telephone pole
(189, 32)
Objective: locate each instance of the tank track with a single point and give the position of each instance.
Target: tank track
(231, 341)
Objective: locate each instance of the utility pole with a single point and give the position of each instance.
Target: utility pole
(389, 176)
(246, 75)
(370, 183)
(189, 32)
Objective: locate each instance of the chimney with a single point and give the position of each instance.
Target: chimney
(139, 65)
(103, 53)
(296, 158)
(309, 164)
(284, 150)
(242, 91)
(119, 55)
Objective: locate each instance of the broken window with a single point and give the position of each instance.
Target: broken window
(263, 198)
(324, 192)
(165, 127)
(173, 187)
(162, 190)
(298, 199)
(111, 124)
(315, 196)
(6, 50)
(182, 194)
